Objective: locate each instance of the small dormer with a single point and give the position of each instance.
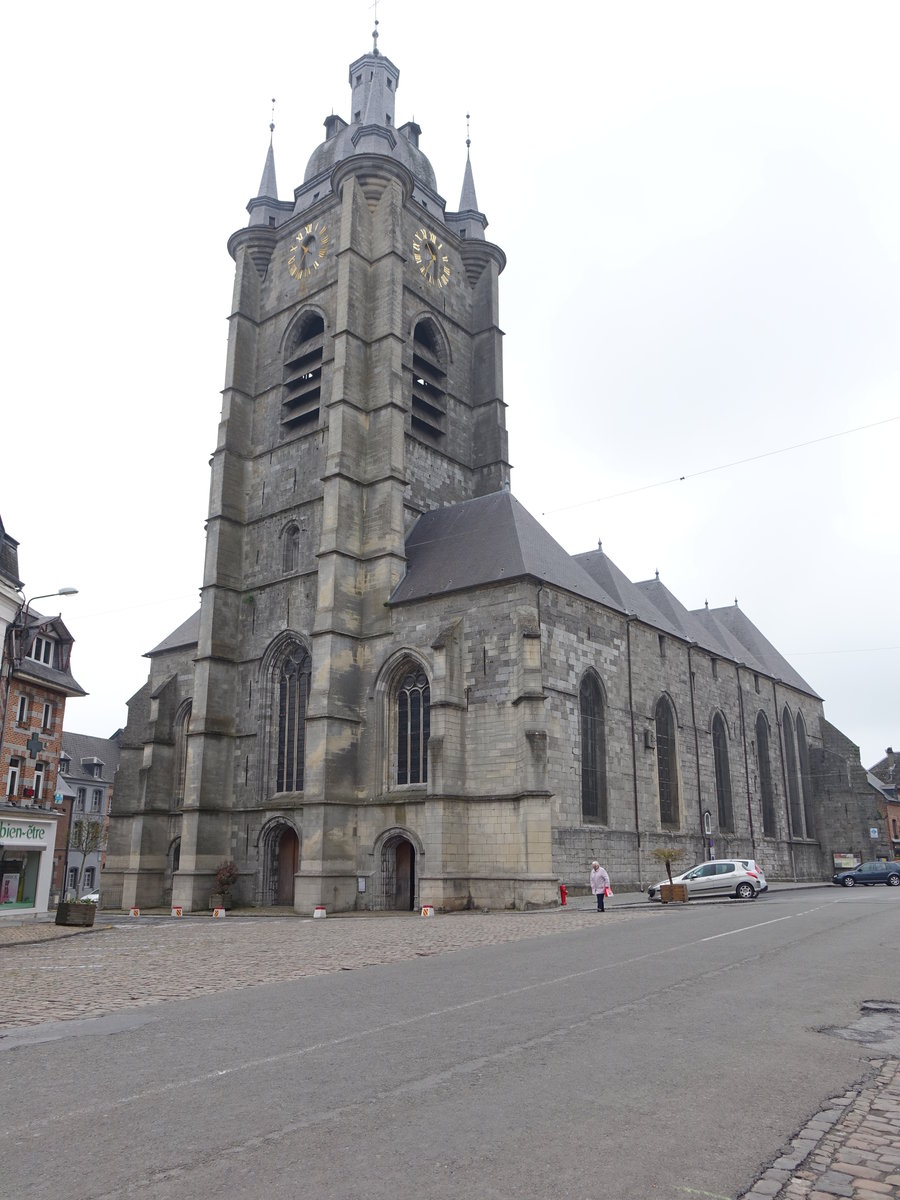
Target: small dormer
(92, 767)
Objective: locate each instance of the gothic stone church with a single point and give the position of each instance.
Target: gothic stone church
(399, 689)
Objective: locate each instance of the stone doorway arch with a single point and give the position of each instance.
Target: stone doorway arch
(280, 844)
(398, 874)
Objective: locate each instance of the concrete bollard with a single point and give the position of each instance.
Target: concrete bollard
(427, 910)
(319, 911)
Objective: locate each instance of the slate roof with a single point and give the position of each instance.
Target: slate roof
(491, 539)
(78, 746)
(29, 668)
(760, 649)
(187, 634)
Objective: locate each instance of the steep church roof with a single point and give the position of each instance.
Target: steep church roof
(760, 648)
(630, 598)
(488, 540)
(187, 634)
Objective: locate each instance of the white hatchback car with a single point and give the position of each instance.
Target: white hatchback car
(741, 878)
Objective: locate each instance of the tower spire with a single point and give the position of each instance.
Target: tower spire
(473, 221)
(268, 188)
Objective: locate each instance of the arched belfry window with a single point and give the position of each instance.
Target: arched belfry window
(593, 751)
(412, 718)
(429, 391)
(294, 675)
(723, 774)
(667, 764)
(767, 793)
(790, 769)
(302, 378)
(290, 548)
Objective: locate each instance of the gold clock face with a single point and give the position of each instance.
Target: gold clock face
(308, 250)
(430, 257)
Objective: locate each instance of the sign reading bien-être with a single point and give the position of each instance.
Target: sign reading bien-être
(22, 831)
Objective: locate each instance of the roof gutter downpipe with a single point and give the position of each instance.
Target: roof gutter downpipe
(737, 671)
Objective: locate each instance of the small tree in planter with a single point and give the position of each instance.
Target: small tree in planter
(668, 855)
(226, 877)
(86, 838)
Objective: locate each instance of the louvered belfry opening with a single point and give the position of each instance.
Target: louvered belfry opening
(302, 390)
(429, 394)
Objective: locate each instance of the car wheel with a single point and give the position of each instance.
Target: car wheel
(849, 881)
(744, 891)
(893, 880)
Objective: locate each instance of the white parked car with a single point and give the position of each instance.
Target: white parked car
(741, 878)
(94, 897)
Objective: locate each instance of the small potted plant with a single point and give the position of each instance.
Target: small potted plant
(86, 839)
(671, 891)
(226, 877)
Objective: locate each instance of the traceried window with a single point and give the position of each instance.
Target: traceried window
(767, 794)
(413, 726)
(667, 764)
(182, 724)
(429, 392)
(290, 548)
(790, 769)
(723, 774)
(805, 777)
(293, 698)
(302, 378)
(593, 751)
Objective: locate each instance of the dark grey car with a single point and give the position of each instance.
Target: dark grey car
(869, 872)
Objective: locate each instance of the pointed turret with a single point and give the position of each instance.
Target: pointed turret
(264, 208)
(468, 222)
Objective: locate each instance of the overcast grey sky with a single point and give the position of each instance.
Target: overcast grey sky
(698, 202)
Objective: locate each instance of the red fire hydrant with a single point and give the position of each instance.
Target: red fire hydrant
(563, 895)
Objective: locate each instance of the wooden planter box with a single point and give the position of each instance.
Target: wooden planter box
(674, 891)
(75, 914)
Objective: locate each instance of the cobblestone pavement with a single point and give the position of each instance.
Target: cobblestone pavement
(141, 961)
(850, 1149)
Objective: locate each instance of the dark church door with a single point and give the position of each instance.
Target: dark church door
(404, 876)
(288, 862)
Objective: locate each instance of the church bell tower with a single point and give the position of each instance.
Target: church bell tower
(363, 388)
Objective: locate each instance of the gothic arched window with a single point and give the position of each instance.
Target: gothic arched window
(429, 392)
(413, 725)
(667, 764)
(805, 779)
(790, 768)
(293, 697)
(593, 751)
(723, 773)
(302, 377)
(182, 722)
(290, 548)
(767, 793)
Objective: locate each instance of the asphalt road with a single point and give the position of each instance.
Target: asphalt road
(643, 1055)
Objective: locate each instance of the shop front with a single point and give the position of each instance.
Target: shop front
(26, 862)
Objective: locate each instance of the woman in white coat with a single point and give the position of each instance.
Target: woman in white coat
(599, 884)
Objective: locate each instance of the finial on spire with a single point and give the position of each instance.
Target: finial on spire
(599, 544)
(706, 602)
(272, 122)
(735, 602)
(468, 139)
(657, 574)
(375, 30)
